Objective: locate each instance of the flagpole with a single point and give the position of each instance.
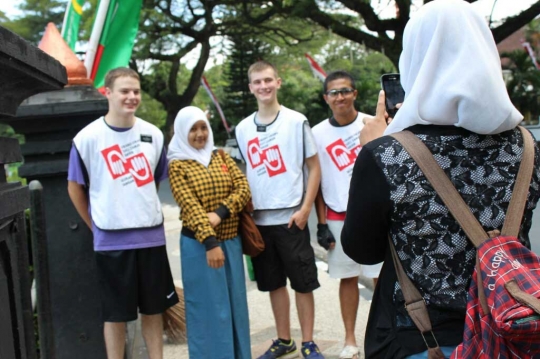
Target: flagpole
(316, 68)
(95, 36)
(213, 97)
(64, 23)
(529, 50)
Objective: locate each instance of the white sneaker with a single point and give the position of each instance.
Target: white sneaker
(350, 352)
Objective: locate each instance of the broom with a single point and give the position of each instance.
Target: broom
(174, 319)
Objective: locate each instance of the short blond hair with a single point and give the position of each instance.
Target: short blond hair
(261, 66)
(113, 74)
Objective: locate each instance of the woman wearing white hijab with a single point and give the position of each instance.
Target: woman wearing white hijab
(456, 103)
(210, 192)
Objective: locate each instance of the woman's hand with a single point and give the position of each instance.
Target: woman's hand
(215, 257)
(214, 219)
(375, 126)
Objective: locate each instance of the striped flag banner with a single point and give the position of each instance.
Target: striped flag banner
(530, 51)
(206, 85)
(316, 68)
(112, 39)
(72, 19)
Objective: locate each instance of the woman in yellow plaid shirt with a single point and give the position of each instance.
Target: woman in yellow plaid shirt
(210, 192)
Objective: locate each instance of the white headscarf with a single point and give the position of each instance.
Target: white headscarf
(179, 148)
(451, 72)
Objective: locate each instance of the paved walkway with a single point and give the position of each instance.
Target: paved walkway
(329, 332)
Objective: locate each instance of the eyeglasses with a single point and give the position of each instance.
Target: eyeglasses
(346, 91)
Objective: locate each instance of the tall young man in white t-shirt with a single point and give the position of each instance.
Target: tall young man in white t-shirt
(338, 145)
(276, 143)
(115, 165)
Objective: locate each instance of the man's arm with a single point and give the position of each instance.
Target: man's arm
(79, 198)
(324, 236)
(320, 207)
(162, 169)
(301, 216)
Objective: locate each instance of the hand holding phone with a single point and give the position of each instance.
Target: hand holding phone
(375, 126)
(393, 91)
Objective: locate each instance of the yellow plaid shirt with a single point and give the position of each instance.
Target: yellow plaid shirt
(199, 190)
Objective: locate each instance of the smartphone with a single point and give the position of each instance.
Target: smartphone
(393, 91)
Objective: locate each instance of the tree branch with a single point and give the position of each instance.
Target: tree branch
(175, 57)
(198, 70)
(353, 34)
(267, 15)
(168, 12)
(367, 13)
(173, 76)
(513, 24)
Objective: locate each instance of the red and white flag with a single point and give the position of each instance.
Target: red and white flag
(527, 46)
(316, 68)
(208, 89)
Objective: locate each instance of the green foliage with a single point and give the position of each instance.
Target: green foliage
(7, 131)
(532, 33)
(12, 173)
(36, 15)
(157, 74)
(3, 17)
(12, 168)
(523, 84)
(368, 77)
(152, 111)
(244, 50)
(219, 83)
(302, 92)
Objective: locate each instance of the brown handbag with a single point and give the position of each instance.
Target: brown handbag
(252, 241)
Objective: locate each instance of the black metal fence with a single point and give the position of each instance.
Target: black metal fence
(17, 339)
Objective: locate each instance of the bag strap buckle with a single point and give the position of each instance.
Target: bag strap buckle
(431, 339)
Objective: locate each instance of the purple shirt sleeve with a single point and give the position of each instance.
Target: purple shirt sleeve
(162, 170)
(75, 170)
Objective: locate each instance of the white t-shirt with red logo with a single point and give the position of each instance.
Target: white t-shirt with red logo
(274, 155)
(338, 147)
(121, 166)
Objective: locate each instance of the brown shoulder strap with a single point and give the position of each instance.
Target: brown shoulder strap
(222, 154)
(516, 208)
(414, 302)
(416, 307)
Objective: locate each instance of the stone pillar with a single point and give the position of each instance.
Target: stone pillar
(49, 121)
(25, 71)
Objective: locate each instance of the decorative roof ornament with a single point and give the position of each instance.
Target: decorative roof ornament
(54, 45)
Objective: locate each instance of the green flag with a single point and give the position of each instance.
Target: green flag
(72, 19)
(117, 31)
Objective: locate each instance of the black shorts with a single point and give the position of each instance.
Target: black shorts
(287, 254)
(134, 278)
